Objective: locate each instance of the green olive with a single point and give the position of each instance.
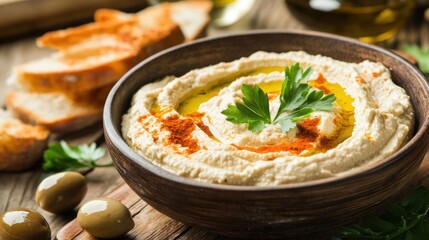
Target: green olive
(61, 192)
(23, 224)
(105, 218)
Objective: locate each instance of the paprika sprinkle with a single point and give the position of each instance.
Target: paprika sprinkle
(181, 133)
(197, 117)
(180, 130)
(308, 134)
(320, 83)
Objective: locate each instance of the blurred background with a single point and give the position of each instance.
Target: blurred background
(373, 21)
(399, 25)
(395, 24)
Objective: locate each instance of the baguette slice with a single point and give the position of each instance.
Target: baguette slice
(192, 16)
(98, 54)
(21, 145)
(76, 71)
(91, 35)
(57, 111)
(131, 31)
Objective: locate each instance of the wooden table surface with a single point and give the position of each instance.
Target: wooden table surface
(17, 189)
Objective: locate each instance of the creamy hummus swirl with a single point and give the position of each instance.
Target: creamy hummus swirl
(177, 123)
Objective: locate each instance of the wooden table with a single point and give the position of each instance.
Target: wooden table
(17, 189)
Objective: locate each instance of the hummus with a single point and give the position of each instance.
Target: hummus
(177, 123)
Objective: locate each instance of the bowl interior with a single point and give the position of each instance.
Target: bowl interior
(181, 59)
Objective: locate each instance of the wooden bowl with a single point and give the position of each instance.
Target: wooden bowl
(298, 210)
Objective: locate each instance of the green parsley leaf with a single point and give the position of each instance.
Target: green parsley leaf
(294, 88)
(318, 101)
(297, 101)
(421, 55)
(407, 220)
(299, 98)
(63, 157)
(255, 110)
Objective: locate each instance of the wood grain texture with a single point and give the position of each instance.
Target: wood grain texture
(18, 189)
(147, 222)
(147, 219)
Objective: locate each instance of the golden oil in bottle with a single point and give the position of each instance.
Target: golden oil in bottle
(372, 21)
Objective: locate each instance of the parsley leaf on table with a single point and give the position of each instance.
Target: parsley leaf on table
(407, 220)
(421, 55)
(63, 157)
(297, 101)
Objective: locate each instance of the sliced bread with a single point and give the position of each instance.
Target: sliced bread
(57, 111)
(76, 71)
(21, 145)
(124, 31)
(192, 16)
(97, 54)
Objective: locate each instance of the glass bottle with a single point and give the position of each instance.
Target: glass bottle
(372, 21)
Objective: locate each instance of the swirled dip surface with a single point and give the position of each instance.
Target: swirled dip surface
(177, 123)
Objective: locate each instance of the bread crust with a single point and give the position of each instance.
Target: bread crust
(68, 112)
(21, 145)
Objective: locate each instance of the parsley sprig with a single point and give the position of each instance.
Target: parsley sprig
(297, 101)
(407, 220)
(63, 157)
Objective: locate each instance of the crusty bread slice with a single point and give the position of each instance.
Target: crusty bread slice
(130, 31)
(57, 111)
(97, 54)
(192, 16)
(21, 145)
(76, 71)
(91, 35)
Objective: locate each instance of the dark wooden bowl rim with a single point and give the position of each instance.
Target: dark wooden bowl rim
(117, 140)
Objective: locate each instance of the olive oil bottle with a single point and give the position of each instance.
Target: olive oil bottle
(372, 21)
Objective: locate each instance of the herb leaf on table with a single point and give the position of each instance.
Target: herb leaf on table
(63, 157)
(406, 220)
(421, 54)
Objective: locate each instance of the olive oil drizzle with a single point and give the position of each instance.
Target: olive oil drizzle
(190, 105)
